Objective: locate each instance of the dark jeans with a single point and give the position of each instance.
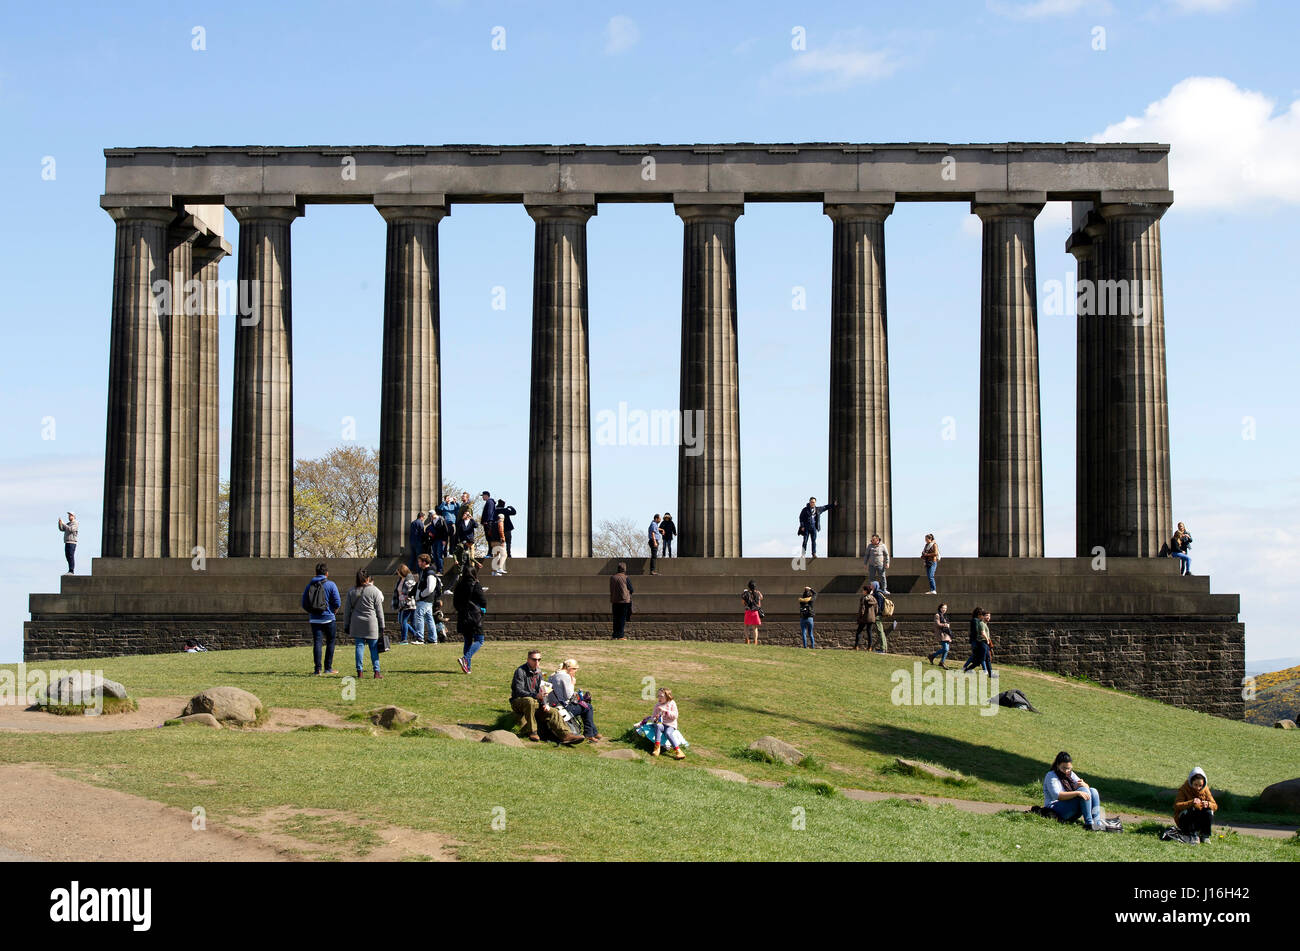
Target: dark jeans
(654, 557)
(1196, 821)
(622, 614)
(807, 536)
(977, 658)
(508, 553)
(472, 643)
(857, 638)
(586, 714)
(439, 553)
(323, 632)
(70, 553)
(668, 546)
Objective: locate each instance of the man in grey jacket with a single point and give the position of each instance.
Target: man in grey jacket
(877, 561)
(69, 531)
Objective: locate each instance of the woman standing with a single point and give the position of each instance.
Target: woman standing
(930, 557)
(404, 601)
(943, 630)
(878, 625)
(1180, 545)
(752, 598)
(471, 604)
(806, 601)
(363, 620)
(867, 610)
(977, 641)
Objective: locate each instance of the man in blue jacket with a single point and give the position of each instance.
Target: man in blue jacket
(810, 523)
(488, 517)
(320, 599)
(414, 540)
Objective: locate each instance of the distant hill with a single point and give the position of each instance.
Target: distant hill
(1255, 668)
(1277, 697)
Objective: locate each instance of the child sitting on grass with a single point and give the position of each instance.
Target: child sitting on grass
(439, 622)
(661, 726)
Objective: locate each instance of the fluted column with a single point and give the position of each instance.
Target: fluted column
(708, 472)
(261, 450)
(410, 423)
(1010, 455)
(559, 427)
(182, 443)
(135, 460)
(1092, 390)
(207, 394)
(1138, 514)
(859, 470)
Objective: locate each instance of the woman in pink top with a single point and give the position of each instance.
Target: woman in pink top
(664, 718)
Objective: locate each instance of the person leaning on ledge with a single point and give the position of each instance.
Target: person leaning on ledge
(527, 699)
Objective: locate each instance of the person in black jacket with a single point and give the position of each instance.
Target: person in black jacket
(668, 529)
(810, 523)
(471, 604)
(507, 511)
(528, 700)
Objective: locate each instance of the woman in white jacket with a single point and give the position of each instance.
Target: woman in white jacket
(363, 619)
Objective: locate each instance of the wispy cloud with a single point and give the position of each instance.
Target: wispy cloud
(621, 33)
(845, 60)
(1042, 9)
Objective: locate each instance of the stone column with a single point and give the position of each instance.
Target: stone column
(1092, 394)
(1138, 515)
(1010, 455)
(859, 470)
(410, 423)
(135, 459)
(261, 450)
(207, 394)
(182, 404)
(708, 472)
(559, 426)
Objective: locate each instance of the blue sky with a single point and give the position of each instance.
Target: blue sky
(1208, 76)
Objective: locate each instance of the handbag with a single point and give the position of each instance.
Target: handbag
(384, 643)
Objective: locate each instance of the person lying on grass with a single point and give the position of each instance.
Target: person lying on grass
(1068, 797)
(1194, 807)
(661, 726)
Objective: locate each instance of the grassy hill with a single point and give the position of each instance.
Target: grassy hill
(1277, 697)
(835, 705)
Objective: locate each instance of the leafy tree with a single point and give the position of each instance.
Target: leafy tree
(336, 504)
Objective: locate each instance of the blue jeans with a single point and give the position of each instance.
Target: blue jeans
(929, 573)
(472, 644)
(1070, 809)
(942, 652)
(361, 652)
(406, 621)
(70, 553)
(807, 537)
(806, 632)
(1186, 559)
(322, 633)
(439, 553)
(878, 574)
(424, 628)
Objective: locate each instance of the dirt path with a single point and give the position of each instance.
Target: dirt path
(153, 711)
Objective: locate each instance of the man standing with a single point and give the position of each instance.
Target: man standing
(427, 593)
(415, 542)
(69, 531)
(487, 518)
(320, 599)
(620, 601)
(669, 532)
(437, 532)
(810, 523)
(877, 562)
(528, 699)
(507, 511)
(496, 533)
(447, 509)
(655, 539)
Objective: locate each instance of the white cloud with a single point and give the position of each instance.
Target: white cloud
(1229, 148)
(844, 61)
(1204, 6)
(1042, 9)
(621, 33)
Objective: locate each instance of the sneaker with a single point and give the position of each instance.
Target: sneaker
(331, 672)
(572, 739)
(655, 751)
(679, 754)
(534, 738)
(463, 666)
(315, 673)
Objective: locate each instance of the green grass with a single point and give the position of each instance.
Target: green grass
(834, 706)
(107, 707)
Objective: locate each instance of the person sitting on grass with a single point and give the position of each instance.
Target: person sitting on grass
(577, 704)
(528, 700)
(661, 725)
(1068, 797)
(1194, 807)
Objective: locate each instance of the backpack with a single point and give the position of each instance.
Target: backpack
(889, 608)
(1175, 834)
(317, 601)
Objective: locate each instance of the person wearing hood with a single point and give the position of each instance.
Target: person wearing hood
(1194, 806)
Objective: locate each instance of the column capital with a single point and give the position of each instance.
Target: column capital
(256, 212)
(549, 206)
(846, 207)
(709, 206)
(1008, 204)
(1152, 204)
(210, 248)
(432, 213)
(163, 215)
(184, 230)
